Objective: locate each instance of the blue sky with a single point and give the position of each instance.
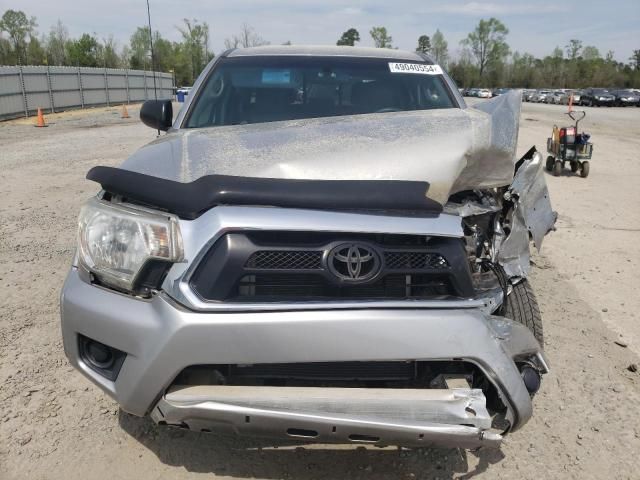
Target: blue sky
(535, 27)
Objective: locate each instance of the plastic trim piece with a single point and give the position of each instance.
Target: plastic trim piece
(190, 200)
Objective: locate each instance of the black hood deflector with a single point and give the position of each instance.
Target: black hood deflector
(190, 200)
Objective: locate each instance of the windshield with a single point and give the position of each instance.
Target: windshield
(257, 89)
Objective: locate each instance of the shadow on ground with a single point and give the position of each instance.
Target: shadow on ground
(249, 458)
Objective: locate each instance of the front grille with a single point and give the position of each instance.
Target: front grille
(269, 287)
(300, 266)
(414, 260)
(285, 260)
(312, 260)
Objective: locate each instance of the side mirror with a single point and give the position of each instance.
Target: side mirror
(157, 114)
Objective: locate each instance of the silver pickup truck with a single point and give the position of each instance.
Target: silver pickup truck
(327, 245)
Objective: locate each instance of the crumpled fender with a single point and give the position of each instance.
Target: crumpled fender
(532, 216)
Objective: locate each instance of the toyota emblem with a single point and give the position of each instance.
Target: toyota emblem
(353, 262)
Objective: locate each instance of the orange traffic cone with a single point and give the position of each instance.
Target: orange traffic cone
(40, 121)
(125, 113)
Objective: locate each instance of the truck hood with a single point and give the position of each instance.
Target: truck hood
(451, 149)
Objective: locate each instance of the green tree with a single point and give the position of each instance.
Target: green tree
(463, 71)
(182, 64)
(573, 49)
(635, 60)
(487, 43)
(18, 26)
(35, 53)
(590, 53)
(140, 49)
(349, 38)
(196, 43)
(380, 37)
(424, 44)
(167, 55)
(83, 52)
(439, 48)
(6, 55)
(107, 55)
(524, 72)
(58, 38)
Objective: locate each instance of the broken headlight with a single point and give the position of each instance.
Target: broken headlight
(116, 241)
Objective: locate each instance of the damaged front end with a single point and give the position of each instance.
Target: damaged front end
(501, 222)
(273, 323)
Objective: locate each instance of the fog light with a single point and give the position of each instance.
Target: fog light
(101, 358)
(531, 379)
(99, 355)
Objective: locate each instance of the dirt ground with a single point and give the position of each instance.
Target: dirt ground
(55, 424)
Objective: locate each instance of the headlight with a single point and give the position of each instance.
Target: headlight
(115, 241)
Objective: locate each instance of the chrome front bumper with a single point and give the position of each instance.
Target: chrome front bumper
(452, 418)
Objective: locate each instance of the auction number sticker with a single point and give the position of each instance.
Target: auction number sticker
(419, 68)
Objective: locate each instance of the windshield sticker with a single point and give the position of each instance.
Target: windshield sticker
(419, 68)
(276, 77)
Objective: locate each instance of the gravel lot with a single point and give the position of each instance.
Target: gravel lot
(55, 424)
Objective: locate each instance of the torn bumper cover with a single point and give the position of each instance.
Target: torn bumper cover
(448, 417)
(162, 340)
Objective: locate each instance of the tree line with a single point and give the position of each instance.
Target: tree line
(483, 59)
(486, 60)
(20, 44)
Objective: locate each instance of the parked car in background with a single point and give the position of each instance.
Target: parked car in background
(484, 93)
(528, 95)
(625, 98)
(556, 97)
(499, 91)
(596, 97)
(577, 95)
(540, 96)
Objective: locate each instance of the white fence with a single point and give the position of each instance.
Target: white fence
(25, 89)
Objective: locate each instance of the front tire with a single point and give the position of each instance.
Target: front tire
(557, 168)
(522, 307)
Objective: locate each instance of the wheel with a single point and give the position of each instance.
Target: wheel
(584, 172)
(557, 168)
(522, 307)
(575, 166)
(550, 162)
